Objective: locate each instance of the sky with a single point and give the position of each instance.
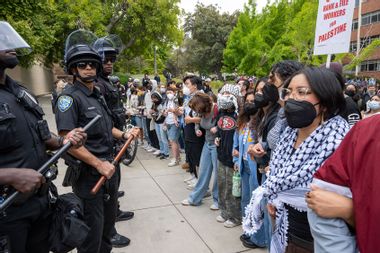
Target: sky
(225, 5)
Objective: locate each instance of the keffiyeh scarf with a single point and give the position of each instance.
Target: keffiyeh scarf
(291, 174)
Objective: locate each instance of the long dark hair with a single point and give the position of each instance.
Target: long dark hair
(326, 87)
(243, 117)
(259, 122)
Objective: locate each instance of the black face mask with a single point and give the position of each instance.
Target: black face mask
(350, 93)
(260, 101)
(250, 109)
(9, 62)
(299, 114)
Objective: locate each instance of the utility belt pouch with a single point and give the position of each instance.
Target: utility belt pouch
(4, 244)
(73, 170)
(43, 130)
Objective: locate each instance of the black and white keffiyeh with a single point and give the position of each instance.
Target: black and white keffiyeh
(291, 174)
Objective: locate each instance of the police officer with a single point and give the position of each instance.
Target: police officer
(76, 106)
(24, 140)
(105, 47)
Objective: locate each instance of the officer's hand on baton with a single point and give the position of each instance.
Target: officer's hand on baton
(25, 180)
(135, 132)
(105, 168)
(77, 137)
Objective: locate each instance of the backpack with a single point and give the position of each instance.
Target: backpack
(67, 230)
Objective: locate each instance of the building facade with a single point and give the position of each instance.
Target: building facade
(369, 30)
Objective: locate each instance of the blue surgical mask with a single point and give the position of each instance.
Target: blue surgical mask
(373, 105)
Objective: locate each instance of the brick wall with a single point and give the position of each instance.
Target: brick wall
(368, 30)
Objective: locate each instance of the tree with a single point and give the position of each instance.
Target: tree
(140, 24)
(209, 29)
(284, 30)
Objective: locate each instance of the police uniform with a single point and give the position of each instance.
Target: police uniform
(76, 106)
(22, 145)
(112, 96)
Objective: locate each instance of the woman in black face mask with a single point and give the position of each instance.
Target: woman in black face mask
(313, 100)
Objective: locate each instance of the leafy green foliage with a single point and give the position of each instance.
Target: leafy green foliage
(284, 30)
(208, 32)
(140, 24)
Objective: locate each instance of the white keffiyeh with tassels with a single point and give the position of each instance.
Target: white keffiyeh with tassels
(291, 174)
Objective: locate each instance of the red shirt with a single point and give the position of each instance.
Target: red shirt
(356, 165)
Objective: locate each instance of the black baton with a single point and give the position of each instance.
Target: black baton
(8, 201)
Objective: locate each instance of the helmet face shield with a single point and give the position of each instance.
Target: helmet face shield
(78, 48)
(10, 40)
(108, 47)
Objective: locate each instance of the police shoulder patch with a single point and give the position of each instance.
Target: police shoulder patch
(64, 103)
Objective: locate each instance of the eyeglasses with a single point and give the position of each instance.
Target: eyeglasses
(84, 64)
(111, 59)
(299, 93)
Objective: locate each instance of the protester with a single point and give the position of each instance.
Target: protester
(203, 105)
(193, 143)
(244, 136)
(171, 125)
(313, 99)
(373, 106)
(344, 198)
(157, 113)
(229, 205)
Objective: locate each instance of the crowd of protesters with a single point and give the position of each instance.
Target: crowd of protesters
(271, 147)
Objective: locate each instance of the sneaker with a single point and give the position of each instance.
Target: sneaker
(192, 181)
(157, 152)
(151, 149)
(230, 224)
(173, 162)
(146, 147)
(192, 176)
(164, 157)
(185, 166)
(214, 207)
(220, 219)
(159, 155)
(186, 202)
(190, 187)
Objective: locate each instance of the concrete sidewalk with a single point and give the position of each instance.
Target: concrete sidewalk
(161, 224)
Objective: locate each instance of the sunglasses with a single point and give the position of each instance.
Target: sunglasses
(83, 65)
(111, 59)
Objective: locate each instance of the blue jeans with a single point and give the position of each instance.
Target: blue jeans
(207, 165)
(249, 182)
(145, 129)
(162, 140)
(172, 132)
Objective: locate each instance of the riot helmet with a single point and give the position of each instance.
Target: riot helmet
(108, 47)
(78, 50)
(114, 79)
(11, 40)
(11, 46)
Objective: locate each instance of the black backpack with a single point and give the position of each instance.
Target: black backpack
(67, 230)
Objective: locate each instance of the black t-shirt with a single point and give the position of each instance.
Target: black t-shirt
(21, 145)
(298, 224)
(189, 131)
(226, 123)
(352, 113)
(77, 106)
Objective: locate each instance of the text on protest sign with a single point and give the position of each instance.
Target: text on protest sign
(333, 31)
